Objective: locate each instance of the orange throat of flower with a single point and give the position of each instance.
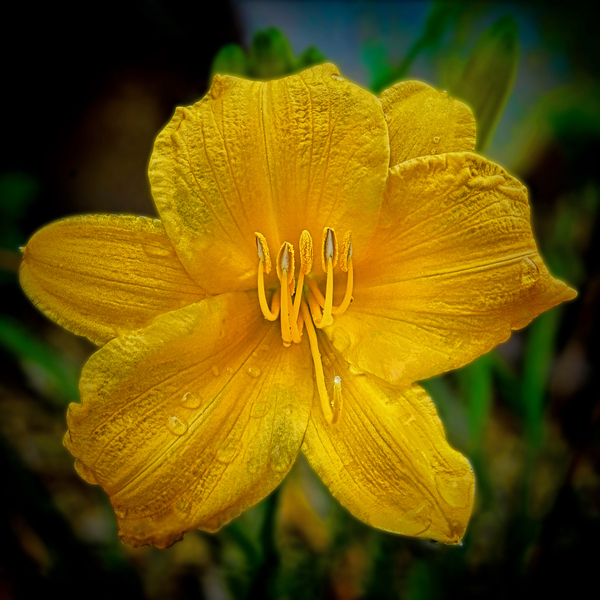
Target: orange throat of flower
(300, 303)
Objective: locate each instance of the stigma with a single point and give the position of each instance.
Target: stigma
(299, 303)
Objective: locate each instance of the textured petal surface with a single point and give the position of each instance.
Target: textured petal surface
(387, 459)
(451, 270)
(194, 419)
(423, 121)
(303, 152)
(100, 275)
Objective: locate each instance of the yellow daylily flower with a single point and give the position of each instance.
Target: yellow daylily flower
(221, 361)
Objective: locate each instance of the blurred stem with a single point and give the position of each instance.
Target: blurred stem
(263, 584)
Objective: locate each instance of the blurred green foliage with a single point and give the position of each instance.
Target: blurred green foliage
(270, 56)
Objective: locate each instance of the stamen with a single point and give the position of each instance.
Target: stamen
(306, 261)
(346, 265)
(316, 355)
(312, 284)
(264, 266)
(330, 254)
(285, 267)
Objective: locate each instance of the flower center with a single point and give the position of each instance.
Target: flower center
(301, 303)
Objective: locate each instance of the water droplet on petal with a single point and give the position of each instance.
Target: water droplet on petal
(436, 139)
(341, 339)
(228, 450)
(228, 370)
(177, 426)
(355, 370)
(281, 459)
(289, 409)
(215, 370)
(337, 77)
(155, 251)
(120, 511)
(190, 400)
(253, 371)
(255, 354)
(417, 520)
(529, 272)
(260, 409)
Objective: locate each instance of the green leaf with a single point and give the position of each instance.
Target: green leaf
(230, 60)
(489, 75)
(39, 361)
(311, 57)
(271, 55)
(539, 353)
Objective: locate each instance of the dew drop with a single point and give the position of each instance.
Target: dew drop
(120, 511)
(255, 354)
(436, 139)
(289, 409)
(341, 339)
(228, 450)
(337, 77)
(529, 272)
(228, 370)
(253, 371)
(177, 426)
(155, 251)
(215, 370)
(260, 409)
(417, 520)
(280, 459)
(355, 370)
(190, 400)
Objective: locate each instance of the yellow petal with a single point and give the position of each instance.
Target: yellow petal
(387, 459)
(423, 121)
(187, 423)
(452, 269)
(99, 275)
(304, 152)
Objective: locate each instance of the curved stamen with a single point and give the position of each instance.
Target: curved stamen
(316, 356)
(264, 266)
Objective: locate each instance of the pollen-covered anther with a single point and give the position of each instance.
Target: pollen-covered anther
(346, 265)
(306, 262)
(346, 254)
(306, 252)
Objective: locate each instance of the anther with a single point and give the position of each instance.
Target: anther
(306, 261)
(329, 256)
(346, 265)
